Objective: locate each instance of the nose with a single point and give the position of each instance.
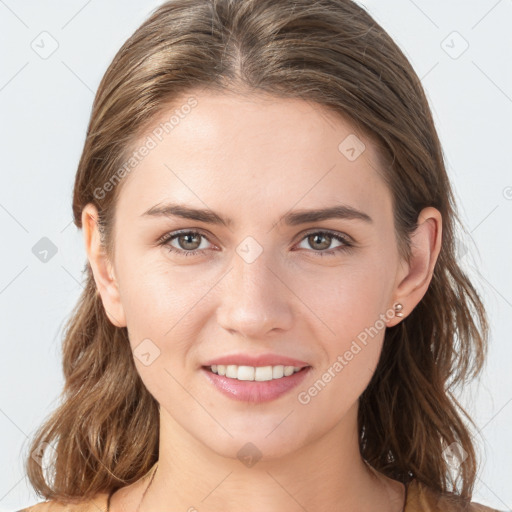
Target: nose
(256, 298)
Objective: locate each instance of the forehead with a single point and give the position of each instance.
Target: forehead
(253, 153)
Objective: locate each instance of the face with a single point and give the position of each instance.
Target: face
(267, 281)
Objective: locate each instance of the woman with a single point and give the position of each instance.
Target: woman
(274, 318)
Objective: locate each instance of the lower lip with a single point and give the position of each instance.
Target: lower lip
(255, 391)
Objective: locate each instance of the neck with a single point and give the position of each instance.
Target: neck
(324, 475)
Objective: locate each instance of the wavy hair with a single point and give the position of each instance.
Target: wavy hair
(104, 433)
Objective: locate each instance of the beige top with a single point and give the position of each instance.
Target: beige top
(418, 498)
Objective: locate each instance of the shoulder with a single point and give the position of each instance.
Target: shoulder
(421, 498)
(96, 504)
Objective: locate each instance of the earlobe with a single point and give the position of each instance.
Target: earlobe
(425, 248)
(102, 268)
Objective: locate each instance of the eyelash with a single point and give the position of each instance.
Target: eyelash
(168, 237)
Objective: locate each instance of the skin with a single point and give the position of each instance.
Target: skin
(253, 159)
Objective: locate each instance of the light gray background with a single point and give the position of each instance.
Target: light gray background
(45, 105)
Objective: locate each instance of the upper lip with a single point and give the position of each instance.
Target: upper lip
(261, 360)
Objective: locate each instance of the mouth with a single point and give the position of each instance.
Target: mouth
(255, 373)
(255, 384)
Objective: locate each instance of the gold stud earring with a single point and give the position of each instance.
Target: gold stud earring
(398, 310)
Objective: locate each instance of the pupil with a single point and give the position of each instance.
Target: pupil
(187, 240)
(326, 237)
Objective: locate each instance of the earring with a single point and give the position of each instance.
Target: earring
(398, 310)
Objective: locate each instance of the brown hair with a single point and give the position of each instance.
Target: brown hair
(332, 53)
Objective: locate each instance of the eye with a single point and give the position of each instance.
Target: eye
(321, 240)
(189, 242)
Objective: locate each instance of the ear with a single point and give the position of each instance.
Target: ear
(102, 268)
(414, 278)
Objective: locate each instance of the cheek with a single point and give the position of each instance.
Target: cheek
(350, 306)
(347, 298)
(164, 309)
(159, 309)
(154, 295)
(350, 334)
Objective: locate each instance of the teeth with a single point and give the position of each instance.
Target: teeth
(257, 373)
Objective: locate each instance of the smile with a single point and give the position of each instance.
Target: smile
(255, 384)
(255, 373)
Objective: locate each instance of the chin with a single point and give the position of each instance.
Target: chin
(256, 445)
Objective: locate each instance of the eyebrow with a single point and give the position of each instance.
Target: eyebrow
(291, 218)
